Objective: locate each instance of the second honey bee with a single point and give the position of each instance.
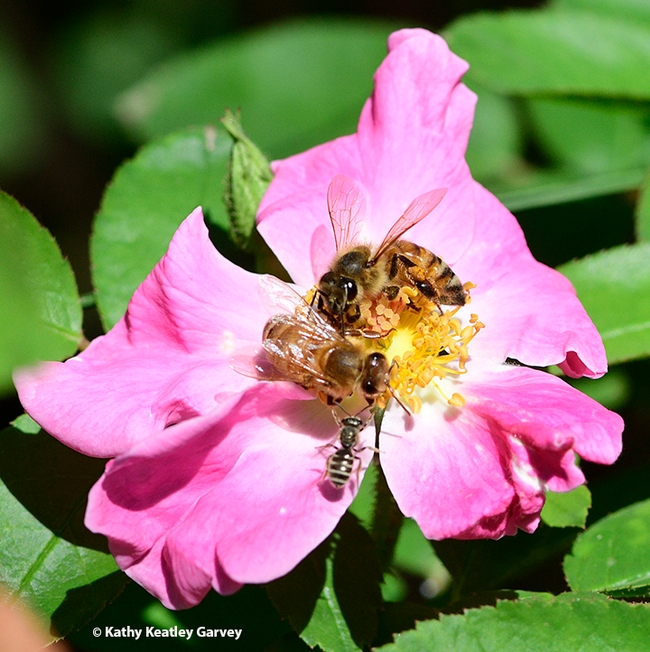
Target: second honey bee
(304, 348)
(359, 272)
(340, 464)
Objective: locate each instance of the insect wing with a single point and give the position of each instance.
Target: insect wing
(279, 297)
(254, 364)
(419, 208)
(297, 352)
(346, 205)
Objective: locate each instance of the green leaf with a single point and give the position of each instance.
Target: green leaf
(364, 501)
(332, 597)
(47, 557)
(568, 509)
(549, 187)
(590, 137)
(642, 213)
(41, 314)
(414, 555)
(555, 52)
(582, 621)
(331, 62)
(613, 555)
(496, 140)
(147, 200)
(26, 425)
(634, 9)
(614, 287)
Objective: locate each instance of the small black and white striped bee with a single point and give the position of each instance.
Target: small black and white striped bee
(340, 464)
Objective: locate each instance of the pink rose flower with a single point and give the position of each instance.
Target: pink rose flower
(217, 476)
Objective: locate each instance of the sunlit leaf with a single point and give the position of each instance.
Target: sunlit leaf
(582, 621)
(614, 287)
(148, 198)
(47, 557)
(41, 314)
(613, 555)
(634, 9)
(331, 62)
(555, 52)
(567, 509)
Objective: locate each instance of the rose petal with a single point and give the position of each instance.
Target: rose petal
(448, 471)
(531, 312)
(545, 412)
(237, 495)
(165, 361)
(395, 157)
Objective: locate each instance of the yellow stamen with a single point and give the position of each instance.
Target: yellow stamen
(424, 346)
(423, 343)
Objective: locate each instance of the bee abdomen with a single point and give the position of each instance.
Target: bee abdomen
(339, 467)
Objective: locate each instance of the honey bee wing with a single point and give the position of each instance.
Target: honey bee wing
(282, 298)
(278, 296)
(254, 364)
(346, 205)
(298, 355)
(419, 208)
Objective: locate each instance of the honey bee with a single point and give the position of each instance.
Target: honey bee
(340, 464)
(306, 349)
(360, 272)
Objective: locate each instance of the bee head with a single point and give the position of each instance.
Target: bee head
(337, 292)
(375, 375)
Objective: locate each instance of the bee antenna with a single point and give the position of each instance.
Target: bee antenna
(394, 395)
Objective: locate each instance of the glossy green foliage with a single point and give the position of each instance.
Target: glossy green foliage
(144, 205)
(567, 52)
(541, 623)
(47, 557)
(41, 314)
(614, 287)
(567, 509)
(613, 555)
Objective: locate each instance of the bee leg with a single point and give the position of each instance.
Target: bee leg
(358, 459)
(391, 292)
(368, 334)
(353, 314)
(392, 391)
(328, 400)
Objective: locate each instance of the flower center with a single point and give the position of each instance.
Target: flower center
(422, 345)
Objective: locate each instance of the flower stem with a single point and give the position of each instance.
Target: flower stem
(386, 521)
